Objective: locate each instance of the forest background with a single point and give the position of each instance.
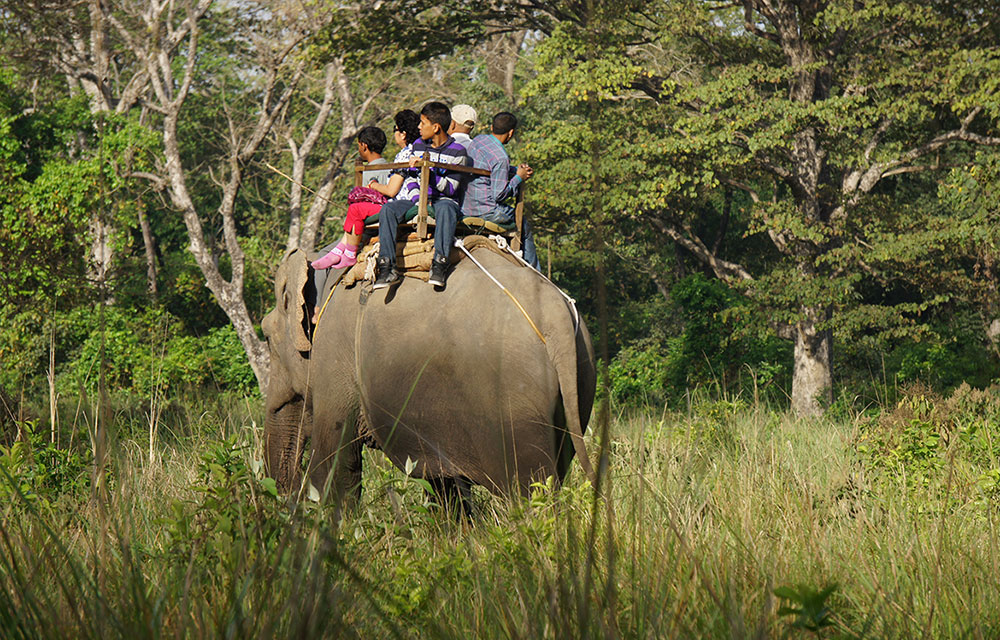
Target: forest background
(747, 190)
(777, 204)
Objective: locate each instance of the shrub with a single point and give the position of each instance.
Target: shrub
(235, 516)
(925, 435)
(150, 354)
(722, 344)
(40, 471)
(638, 375)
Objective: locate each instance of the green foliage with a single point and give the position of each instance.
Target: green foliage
(700, 124)
(149, 354)
(235, 518)
(397, 32)
(809, 606)
(46, 199)
(720, 344)
(33, 468)
(639, 376)
(920, 441)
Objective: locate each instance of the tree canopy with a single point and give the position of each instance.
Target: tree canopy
(803, 190)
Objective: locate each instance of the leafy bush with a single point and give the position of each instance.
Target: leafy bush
(40, 471)
(150, 354)
(721, 345)
(925, 436)
(638, 374)
(723, 339)
(944, 363)
(235, 517)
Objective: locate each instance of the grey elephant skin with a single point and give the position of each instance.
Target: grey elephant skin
(456, 381)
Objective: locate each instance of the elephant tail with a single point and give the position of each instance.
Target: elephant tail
(567, 347)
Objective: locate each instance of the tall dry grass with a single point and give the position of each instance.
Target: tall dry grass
(727, 521)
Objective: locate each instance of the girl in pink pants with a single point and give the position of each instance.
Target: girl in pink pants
(345, 254)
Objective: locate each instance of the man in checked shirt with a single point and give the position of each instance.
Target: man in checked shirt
(484, 196)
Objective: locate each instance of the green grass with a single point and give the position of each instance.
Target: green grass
(730, 521)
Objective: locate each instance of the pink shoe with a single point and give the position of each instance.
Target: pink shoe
(349, 259)
(331, 259)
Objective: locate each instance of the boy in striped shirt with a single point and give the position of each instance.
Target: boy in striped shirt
(443, 193)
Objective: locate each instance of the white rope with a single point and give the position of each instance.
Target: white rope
(461, 245)
(502, 243)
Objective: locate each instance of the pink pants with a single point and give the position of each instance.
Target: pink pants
(356, 214)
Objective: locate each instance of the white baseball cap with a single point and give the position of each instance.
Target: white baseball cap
(464, 115)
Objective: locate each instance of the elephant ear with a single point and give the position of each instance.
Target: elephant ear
(297, 276)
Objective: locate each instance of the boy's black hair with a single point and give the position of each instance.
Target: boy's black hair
(438, 113)
(374, 138)
(503, 122)
(408, 122)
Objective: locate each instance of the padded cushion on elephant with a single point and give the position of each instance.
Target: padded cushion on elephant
(413, 256)
(478, 224)
(410, 215)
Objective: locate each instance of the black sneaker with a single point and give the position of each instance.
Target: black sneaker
(439, 271)
(387, 274)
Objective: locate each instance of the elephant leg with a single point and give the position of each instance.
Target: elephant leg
(285, 432)
(454, 495)
(335, 464)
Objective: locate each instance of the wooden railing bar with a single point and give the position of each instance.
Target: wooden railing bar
(425, 175)
(360, 168)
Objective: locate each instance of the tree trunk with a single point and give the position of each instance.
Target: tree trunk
(102, 253)
(9, 411)
(150, 248)
(812, 377)
(349, 127)
(228, 294)
(501, 51)
(324, 193)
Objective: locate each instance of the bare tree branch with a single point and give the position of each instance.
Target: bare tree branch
(301, 153)
(159, 182)
(751, 27)
(859, 182)
(730, 272)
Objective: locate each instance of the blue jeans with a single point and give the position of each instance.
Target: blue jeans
(505, 215)
(319, 275)
(392, 213)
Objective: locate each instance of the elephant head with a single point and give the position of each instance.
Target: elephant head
(288, 419)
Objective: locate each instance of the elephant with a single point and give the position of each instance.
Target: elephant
(457, 386)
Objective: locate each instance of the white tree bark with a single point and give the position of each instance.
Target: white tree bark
(126, 53)
(812, 375)
(159, 49)
(301, 152)
(352, 118)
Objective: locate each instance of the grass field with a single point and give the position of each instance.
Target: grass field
(727, 520)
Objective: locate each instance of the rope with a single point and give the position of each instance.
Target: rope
(370, 262)
(332, 289)
(461, 245)
(502, 243)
